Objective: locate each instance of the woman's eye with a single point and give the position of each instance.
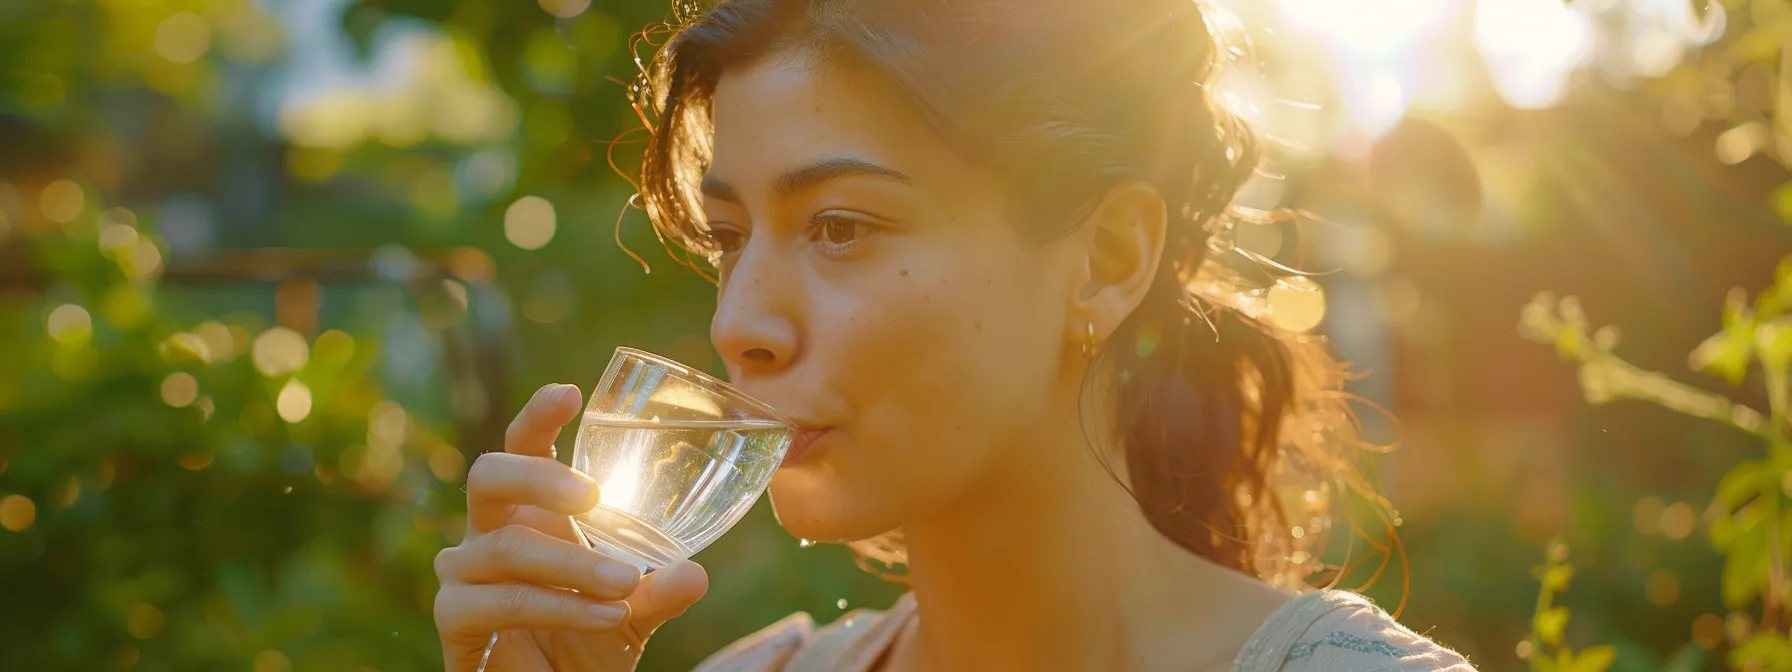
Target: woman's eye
(727, 241)
(840, 230)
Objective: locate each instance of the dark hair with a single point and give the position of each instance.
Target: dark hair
(1068, 98)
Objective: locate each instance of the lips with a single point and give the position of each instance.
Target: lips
(802, 444)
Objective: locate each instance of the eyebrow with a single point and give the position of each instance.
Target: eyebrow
(809, 176)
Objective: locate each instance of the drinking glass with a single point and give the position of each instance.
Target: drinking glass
(678, 456)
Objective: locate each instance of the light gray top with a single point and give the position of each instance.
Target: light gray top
(1324, 631)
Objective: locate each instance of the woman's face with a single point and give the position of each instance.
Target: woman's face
(879, 292)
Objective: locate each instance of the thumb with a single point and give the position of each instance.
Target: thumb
(665, 595)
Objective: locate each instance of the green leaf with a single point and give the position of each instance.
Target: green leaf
(1595, 659)
(1745, 570)
(1744, 482)
(1728, 531)
(1729, 352)
(1555, 577)
(1550, 623)
(1570, 343)
(1773, 343)
(1782, 289)
(1765, 651)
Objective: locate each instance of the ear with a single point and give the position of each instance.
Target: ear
(1123, 243)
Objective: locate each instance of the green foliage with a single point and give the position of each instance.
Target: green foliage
(213, 533)
(206, 494)
(1749, 520)
(1769, 652)
(1544, 648)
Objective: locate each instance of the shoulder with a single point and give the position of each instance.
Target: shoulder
(795, 644)
(1345, 631)
(767, 650)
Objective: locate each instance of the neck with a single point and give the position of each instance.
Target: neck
(1050, 565)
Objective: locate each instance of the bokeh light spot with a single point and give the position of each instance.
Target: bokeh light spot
(145, 621)
(333, 349)
(388, 424)
(17, 512)
(70, 324)
(447, 464)
(220, 345)
(1677, 521)
(142, 261)
(119, 217)
(62, 201)
(179, 389)
(279, 351)
(183, 38)
(1296, 304)
(549, 61)
(195, 461)
(272, 661)
(117, 237)
(565, 9)
(486, 173)
(125, 306)
(1708, 631)
(1738, 144)
(378, 465)
(1531, 47)
(294, 402)
(1738, 626)
(529, 222)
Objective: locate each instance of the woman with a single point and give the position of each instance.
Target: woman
(956, 241)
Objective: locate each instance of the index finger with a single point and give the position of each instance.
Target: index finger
(538, 424)
(499, 482)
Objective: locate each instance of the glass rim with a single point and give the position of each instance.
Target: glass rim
(733, 393)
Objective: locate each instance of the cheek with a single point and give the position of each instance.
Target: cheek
(942, 360)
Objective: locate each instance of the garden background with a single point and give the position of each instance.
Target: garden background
(273, 271)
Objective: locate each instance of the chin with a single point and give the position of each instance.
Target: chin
(813, 503)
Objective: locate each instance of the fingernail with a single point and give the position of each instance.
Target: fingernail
(566, 392)
(617, 574)
(606, 614)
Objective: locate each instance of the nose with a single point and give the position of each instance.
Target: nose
(755, 326)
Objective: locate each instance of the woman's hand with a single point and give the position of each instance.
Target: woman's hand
(524, 570)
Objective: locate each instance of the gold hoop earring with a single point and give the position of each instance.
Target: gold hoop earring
(1089, 346)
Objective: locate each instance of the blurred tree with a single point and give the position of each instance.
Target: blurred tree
(261, 266)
